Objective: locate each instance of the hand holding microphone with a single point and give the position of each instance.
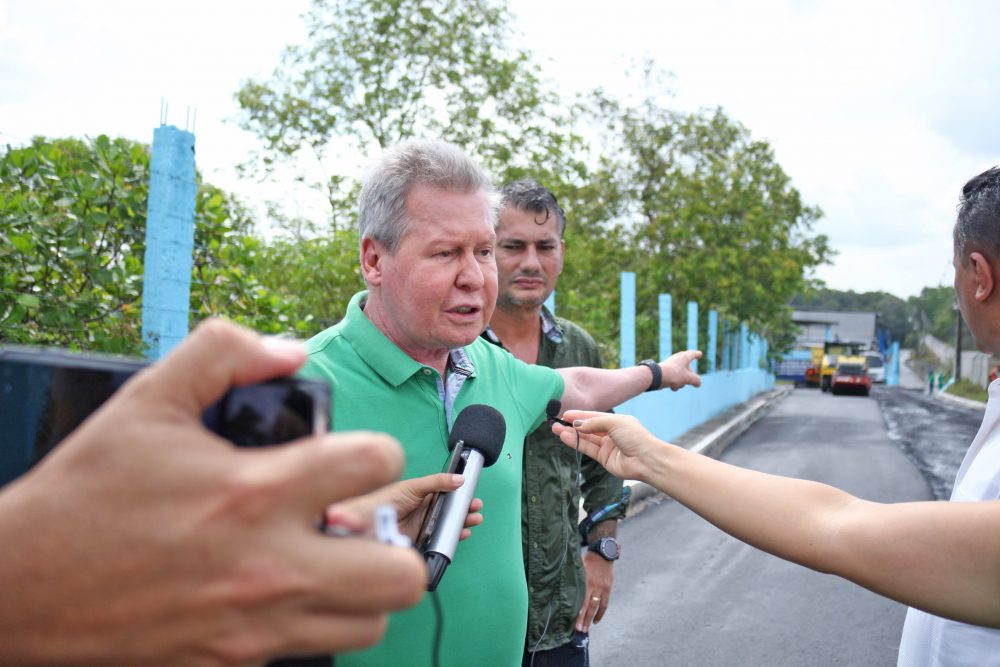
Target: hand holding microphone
(475, 442)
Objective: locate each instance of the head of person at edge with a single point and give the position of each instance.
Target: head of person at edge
(427, 252)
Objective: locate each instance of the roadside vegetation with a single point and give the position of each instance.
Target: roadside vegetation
(966, 389)
(691, 202)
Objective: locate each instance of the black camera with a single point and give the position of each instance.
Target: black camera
(45, 394)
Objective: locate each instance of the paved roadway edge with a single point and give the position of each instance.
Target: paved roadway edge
(715, 442)
(958, 400)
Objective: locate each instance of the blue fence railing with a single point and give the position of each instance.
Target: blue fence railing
(735, 359)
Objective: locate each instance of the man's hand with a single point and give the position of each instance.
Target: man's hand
(145, 539)
(677, 370)
(600, 575)
(410, 497)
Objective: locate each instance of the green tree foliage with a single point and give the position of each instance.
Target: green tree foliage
(313, 276)
(710, 215)
(72, 242)
(376, 72)
(72, 235)
(933, 312)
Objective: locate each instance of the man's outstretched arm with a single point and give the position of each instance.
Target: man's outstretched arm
(601, 388)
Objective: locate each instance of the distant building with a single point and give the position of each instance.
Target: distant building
(819, 326)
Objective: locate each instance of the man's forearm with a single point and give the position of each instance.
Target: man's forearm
(602, 388)
(603, 529)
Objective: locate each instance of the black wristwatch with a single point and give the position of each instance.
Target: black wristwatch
(606, 547)
(657, 373)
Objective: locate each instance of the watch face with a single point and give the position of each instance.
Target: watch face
(610, 548)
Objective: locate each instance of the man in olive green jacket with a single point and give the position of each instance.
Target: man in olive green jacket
(566, 592)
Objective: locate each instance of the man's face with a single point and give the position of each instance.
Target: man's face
(439, 288)
(529, 256)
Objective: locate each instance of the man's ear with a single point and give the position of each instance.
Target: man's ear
(372, 254)
(985, 276)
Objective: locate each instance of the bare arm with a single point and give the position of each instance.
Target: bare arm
(601, 388)
(940, 557)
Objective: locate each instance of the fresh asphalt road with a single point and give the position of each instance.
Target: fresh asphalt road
(687, 594)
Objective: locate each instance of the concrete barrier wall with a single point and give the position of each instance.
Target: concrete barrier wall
(668, 414)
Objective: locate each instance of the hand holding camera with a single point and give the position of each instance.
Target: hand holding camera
(144, 538)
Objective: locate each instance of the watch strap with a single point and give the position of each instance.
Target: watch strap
(657, 372)
(597, 547)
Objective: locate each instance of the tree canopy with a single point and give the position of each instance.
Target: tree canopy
(72, 240)
(690, 201)
(375, 72)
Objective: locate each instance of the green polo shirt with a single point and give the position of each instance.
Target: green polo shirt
(376, 386)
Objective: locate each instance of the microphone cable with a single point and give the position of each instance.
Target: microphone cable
(438, 630)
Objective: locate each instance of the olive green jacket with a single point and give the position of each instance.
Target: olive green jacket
(551, 493)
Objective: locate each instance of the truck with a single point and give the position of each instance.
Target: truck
(832, 351)
(812, 373)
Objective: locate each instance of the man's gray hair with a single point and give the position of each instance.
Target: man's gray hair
(382, 204)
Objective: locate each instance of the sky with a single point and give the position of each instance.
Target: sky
(878, 111)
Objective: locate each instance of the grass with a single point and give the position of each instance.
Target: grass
(967, 389)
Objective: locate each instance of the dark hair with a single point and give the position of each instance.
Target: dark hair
(527, 194)
(978, 224)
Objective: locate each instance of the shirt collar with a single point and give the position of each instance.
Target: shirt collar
(550, 327)
(384, 356)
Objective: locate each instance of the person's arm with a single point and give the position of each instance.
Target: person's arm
(940, 557)
(600, 577)
(145, 539)
(600, 490)
(602, 388)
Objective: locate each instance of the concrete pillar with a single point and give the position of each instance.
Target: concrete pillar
(166, 291)
(666, 327)
(713, 341)
(692, 327)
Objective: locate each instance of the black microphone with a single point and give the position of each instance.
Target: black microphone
(475, 441)
(552, 411)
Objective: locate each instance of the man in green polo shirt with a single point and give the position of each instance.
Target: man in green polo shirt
(407, 358)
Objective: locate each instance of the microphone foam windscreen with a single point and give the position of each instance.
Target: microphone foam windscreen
(553, 408)
(482, 428)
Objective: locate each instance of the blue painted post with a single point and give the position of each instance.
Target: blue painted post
(626, 357)
(726, 347)
(892, 377)
(666, 327)
(713, 341)
(744, 346)
(692, 323)
(166, 289)
(734, 349)
(550, 302)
